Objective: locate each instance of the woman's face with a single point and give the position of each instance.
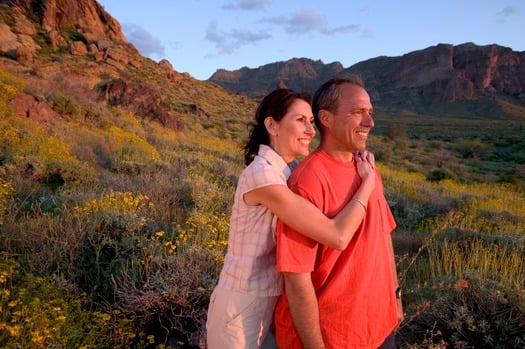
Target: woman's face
(291, 136)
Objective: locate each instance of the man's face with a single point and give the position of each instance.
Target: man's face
(353, 119)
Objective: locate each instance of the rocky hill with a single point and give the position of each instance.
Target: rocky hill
(76, 48)
(466, 80)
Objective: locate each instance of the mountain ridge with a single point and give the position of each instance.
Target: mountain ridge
(424, 81)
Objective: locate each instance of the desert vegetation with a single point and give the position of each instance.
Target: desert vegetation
(113, 227)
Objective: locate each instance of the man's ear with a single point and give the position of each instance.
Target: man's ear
(325, 117)
(271, 125)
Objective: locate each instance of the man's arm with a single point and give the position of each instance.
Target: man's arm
(304, 309)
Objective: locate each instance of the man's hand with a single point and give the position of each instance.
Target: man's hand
(400, 313)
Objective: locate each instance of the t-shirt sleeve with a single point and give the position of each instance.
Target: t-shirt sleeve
(295, 252)
(384, 215)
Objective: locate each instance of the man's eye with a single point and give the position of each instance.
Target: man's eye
(361, 111)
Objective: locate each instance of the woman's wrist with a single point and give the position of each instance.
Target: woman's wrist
(359, 201)
(368, 183)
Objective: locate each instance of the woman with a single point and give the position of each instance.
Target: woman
(242, 304)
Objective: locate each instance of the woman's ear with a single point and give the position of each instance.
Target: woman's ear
(271, 125)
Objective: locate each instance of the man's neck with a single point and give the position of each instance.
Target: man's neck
(340, 155)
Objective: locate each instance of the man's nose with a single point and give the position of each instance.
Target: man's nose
(368, 120)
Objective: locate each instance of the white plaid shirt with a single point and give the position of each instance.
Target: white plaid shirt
(249, 265)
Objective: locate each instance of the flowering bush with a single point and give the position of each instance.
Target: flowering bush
(32, 150)
(39, 312)
(10, 86)
(6, 190)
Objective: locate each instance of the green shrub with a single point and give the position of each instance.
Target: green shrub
(460, 257)
(114, 226)
(129, 152)
(474, 148)
(396, 131)
(171, 299)
(440, 174)
(464, 313)
(65, 103)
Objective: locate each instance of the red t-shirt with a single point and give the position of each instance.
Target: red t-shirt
(355, 288)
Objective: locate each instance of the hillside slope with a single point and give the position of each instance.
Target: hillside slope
(116, 176)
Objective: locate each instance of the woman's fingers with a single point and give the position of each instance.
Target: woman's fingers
(368, 156)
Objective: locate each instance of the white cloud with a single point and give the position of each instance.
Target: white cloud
(248, 5)
(305, 20)
(228, 43)
(308, 20)
(507, 11)
(147, 44)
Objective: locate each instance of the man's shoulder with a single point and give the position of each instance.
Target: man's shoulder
(309, 165)
(311, 160)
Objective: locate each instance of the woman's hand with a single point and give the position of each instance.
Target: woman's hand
(365, 164)
(368, 156)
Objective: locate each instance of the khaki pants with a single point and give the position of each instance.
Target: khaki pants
(237, 320)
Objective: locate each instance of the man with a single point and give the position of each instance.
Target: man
(349, 298)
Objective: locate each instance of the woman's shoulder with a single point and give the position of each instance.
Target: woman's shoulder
(260, 172)
(256, 166)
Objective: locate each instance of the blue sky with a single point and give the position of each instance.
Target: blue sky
(201, 36)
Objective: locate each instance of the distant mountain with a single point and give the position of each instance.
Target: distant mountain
(463, 80)
(297, 74)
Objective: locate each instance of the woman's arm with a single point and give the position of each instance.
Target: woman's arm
(291, 208)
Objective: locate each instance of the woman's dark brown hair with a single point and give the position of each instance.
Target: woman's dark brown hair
(276, 105)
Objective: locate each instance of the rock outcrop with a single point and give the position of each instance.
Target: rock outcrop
(80, 27)
(141, 99)
(445, 73)
(87, 15)
(28, 106)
